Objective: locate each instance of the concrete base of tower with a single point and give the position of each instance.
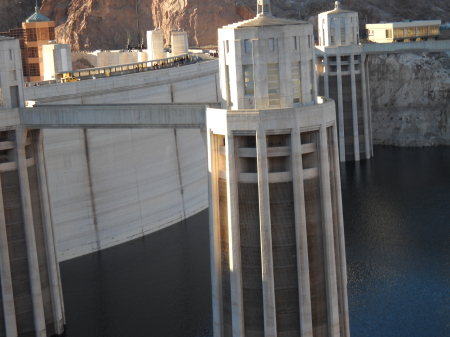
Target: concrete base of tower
(343, 77)
(277, 244)
(31, 296)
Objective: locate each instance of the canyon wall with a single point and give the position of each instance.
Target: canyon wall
(410, 95)
(105, 24)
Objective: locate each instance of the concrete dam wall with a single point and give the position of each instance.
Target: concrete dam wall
(110, 186)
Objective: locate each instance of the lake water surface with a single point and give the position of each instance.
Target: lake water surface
(397, 231)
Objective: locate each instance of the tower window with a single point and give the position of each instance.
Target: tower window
(273, 83)
(343, 35)
(332, 36)
(32, 52)
(294, 42)
(31, 34)
(271, 44)
(248, 46)
(227, 46)
(296, 82)
(249, 85)
(33, 69)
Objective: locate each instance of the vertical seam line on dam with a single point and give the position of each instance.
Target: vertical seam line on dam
(179, 175)
(137, 182)
(91, 191)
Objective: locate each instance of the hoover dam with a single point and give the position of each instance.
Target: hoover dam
(153, 177)
(102, 161)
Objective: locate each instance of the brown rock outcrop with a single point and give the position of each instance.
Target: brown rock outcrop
(105, 24)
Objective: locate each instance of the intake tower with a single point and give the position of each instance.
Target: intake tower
(277, 241)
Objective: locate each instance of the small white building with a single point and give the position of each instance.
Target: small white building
(155, 44)
(338, 27)
(11, 74)
(57, 59)
(403, 31)
(179, 42)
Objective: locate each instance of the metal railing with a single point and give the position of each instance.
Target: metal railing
(129, 68)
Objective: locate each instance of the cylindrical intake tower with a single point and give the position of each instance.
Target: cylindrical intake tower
(277, 242)
(343, 76)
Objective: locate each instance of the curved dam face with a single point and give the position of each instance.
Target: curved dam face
(109, 186)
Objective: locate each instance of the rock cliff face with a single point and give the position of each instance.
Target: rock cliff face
(410, 95)
(103, 24)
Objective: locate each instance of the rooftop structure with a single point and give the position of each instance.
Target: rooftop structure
(338, 27)
(37, 17)
(403, 31)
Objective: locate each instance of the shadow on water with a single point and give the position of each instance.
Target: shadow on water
(158, 285)
(397, 230)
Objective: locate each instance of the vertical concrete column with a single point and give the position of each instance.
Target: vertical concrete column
(315, 75)
(214, 234)
(270, 324)
(306, 328)
(340, 112)
(326, 82)
(285, 72)
(236, 74)
(369, 114)
(33, 263)
(365, 105)
(52, 262)
(340, 218)
(328, 239)
(5, 275)
(237, 302)
(354, 108)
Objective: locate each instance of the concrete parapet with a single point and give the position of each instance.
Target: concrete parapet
(191, 83)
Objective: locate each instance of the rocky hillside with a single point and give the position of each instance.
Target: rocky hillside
(105, 24)
(410, 95)
(14, 12)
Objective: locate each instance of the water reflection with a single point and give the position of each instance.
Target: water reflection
(397, 230)
(397, 240)
(158, 285)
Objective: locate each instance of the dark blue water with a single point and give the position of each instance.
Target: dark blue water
(397, 228)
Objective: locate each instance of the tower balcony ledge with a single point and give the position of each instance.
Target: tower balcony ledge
(222, 121)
